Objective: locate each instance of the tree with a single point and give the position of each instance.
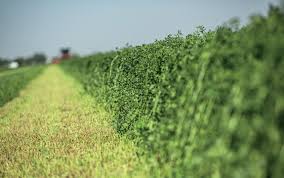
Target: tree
(3, 62)
(37, 58)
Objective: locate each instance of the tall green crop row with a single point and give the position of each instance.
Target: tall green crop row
(11, 84)
(210, 104)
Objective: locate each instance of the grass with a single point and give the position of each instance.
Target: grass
(3, 69)
(5, 72)
(12, 81)
(53, 130)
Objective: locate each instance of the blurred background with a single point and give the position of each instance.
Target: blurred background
(37, 29)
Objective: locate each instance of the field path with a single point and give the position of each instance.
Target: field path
(52, 129)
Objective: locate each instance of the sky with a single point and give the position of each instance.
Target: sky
(88, 26)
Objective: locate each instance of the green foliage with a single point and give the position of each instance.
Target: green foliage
(210, 104)
(11, 82)
(3, 62)
(36, 59)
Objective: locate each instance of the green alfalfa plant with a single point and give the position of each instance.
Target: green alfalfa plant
(207, 104)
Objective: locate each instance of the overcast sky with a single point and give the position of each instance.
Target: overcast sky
(87, 26)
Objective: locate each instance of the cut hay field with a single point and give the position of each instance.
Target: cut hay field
(207, 104)
(52, 129)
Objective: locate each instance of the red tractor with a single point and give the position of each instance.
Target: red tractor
(65, 55)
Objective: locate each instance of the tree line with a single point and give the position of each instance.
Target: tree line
(35, 59)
